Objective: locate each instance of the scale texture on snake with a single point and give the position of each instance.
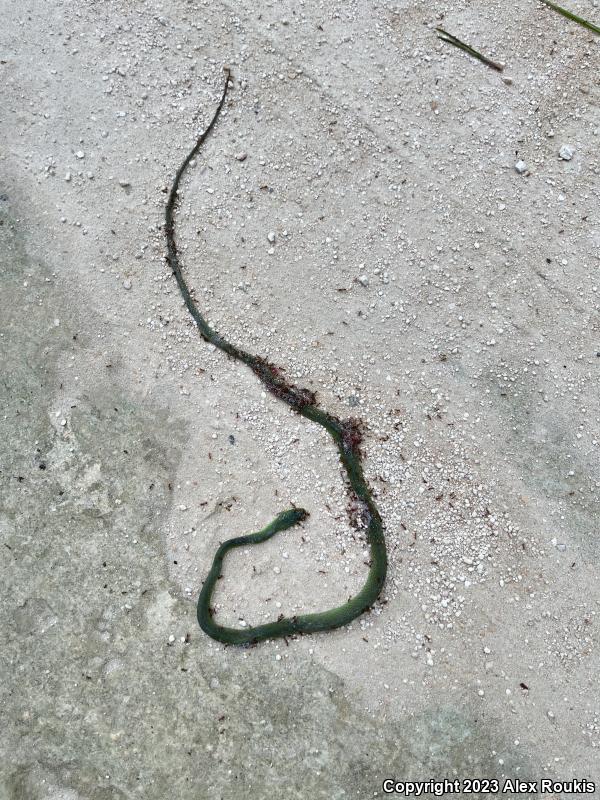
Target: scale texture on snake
(345, 434)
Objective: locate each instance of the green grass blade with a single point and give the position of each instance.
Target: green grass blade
(449, 38)
(573, 17)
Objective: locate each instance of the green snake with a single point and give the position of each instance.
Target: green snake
(345, 434)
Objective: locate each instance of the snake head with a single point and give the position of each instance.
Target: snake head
(293, 516)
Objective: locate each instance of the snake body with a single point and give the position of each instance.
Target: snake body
(345, 434)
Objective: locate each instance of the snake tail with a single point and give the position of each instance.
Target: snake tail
(346, 435)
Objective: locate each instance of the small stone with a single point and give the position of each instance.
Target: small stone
(271, 236)
(80, 154)
(127, 284)
(124, 183)
(566, 152)
(242, 156)
(363, 280)
(68, 177)
(507, 80)
(521, 167)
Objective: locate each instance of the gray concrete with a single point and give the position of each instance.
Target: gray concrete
(416, 280)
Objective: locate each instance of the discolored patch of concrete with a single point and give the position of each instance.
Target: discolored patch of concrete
(540, 438)
(108, 688)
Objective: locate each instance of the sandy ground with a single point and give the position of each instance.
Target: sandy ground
(357, 218)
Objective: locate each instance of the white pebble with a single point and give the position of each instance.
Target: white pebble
(566, 152)
(521, 167)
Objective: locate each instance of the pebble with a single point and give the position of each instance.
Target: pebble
(124, 182)
(363, 280)
(127, 283)
(80, 154)
(521, 167)
(566, 152)
(271, 236)
(241, 156)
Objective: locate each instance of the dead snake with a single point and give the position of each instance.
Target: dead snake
(345, 434)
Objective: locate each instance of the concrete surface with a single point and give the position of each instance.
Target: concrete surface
(415, 279)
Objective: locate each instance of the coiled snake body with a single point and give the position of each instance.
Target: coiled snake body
(345, 434)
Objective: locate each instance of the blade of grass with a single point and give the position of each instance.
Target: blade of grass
(569, 15)
(451, 39)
